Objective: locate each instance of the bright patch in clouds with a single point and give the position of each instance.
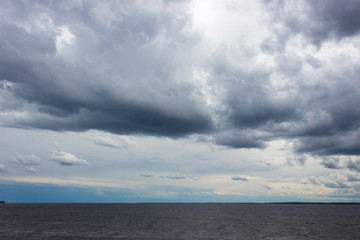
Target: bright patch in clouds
(229, 21)
(64, 38)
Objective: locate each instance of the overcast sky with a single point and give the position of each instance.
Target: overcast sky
(179, 100)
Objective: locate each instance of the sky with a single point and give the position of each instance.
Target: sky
(179, 101)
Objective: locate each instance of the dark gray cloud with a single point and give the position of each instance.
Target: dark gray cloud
(330, 145)
(252, 106)
(353, 178)
(331, 162)
(317, 108)
(330, 116)
(249, 98)
(171, 177)
(316, 20)
(122, 119)
(341, 163)
(333, 18)
(239, 179)
(354, 165)
(325, 100)
(346, 183)
(335, 184)
(239, 139)
(128, 82)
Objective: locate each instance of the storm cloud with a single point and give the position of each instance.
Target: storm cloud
(317, 20)
(140, 68)
(71, 86)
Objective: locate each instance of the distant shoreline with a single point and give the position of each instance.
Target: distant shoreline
(265, 203)
(319, 203)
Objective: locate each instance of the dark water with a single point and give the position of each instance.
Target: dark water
(179, 221)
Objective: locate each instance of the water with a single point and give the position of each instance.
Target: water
(179, 221)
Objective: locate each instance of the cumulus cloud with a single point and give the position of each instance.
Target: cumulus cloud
(67, 159)
(339, 182)
(354, 165)
(353, 177)
(335, 184)
(331, 162)
(341, 163)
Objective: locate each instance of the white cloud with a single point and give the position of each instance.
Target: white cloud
(2, 168)
(74, 181)
(64, 38)
(67, 159)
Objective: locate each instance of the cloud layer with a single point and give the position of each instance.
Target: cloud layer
(142, 68)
